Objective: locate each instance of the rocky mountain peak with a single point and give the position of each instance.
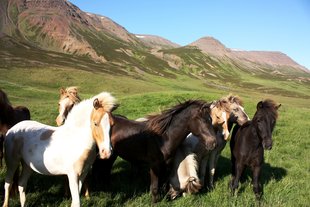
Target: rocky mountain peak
(211, 46)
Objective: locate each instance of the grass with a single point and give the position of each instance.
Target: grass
(286, 173)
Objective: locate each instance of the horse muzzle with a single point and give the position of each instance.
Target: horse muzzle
(60, 120)
(267, 145)
(105, 154)
(211, 143)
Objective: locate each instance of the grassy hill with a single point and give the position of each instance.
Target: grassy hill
(35, 81)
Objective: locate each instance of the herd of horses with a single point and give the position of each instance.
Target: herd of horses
(181, 145)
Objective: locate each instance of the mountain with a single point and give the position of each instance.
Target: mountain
(58, 25)
(213, 47)
(56, 33)
(156, 42)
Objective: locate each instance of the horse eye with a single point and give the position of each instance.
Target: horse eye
(95, 123)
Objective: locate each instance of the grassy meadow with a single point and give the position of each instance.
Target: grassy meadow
(285, 174)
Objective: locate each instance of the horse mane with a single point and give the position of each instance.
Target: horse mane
(234, 99)
(82, 109)
(222, 103)
(159, 123)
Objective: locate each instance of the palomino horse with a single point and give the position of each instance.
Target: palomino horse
(66, 150)
(9, 116)
(249, 141)
(155, 141)
(192, 158)
(68, 98)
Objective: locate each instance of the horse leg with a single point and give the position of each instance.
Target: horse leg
(154, 185)
(212, 164)
(203, 169)
(257, 188)
(84, 183)
(74, 189)
(235, 179)
(12, 166)
(22, 182)
(1, 149)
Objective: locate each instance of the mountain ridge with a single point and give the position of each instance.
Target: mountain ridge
(60, 26)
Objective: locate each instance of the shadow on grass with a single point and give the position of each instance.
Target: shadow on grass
(268, 173)
(126, 179)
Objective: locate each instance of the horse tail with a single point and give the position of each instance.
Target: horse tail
(193, 185)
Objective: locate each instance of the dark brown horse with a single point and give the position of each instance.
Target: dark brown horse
(9, 116)
(155, 141)
(248, 143)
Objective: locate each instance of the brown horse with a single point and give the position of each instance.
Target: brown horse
(249, 141)
(155, 141)
(9, 116)
(68, 98)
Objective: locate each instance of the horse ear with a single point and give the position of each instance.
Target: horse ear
(213, 104)
(62, 91)
(277, 107)
(207, 106)
(259, 105)
(231, 99)
(115, 107)
(96, 104)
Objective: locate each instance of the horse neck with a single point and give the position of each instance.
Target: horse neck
(79, 117)
(174, 136)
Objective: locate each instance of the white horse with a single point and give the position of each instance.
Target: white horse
(66, 150)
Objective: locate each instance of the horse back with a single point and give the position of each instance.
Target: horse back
(21, 113)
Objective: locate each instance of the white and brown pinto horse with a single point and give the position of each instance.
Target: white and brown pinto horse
(67, 99)
(66, 150)
(192, 159)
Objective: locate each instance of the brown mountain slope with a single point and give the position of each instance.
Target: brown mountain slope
(156, 42)
(213, 47)
(60, 26)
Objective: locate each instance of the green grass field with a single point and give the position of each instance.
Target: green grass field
(286, 172)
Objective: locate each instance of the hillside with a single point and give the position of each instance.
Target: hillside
(156, 42)
(57, 34)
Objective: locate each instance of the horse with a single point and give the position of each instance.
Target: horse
(248, 143)
(67, 99)
(9, 116)
(44, 149)
(192, 159)
(155, 140)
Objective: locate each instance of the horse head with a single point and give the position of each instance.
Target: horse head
(264, 121)
(220, 115)
(200, 124)
(68, 98)
(101, 122)
(237, 113)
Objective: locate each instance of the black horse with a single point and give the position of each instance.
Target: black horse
(249, 141)
(9, 116)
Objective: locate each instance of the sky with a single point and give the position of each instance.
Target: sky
(263, 25)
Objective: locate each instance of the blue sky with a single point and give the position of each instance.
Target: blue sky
(268, 25)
